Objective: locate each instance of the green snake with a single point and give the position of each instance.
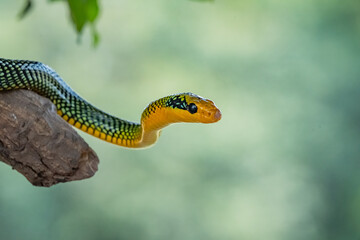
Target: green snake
(38, 77)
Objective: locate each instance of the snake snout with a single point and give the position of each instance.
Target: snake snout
(217, 115)
(212, 113)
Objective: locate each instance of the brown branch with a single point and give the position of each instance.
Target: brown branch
(36, 142)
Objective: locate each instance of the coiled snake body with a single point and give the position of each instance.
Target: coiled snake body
(36, 76)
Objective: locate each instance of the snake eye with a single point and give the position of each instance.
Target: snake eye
(192, 108)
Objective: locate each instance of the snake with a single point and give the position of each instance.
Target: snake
(43, 80)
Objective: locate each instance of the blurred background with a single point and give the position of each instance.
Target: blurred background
(284, 161)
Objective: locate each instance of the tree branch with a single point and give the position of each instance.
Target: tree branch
(36, 142)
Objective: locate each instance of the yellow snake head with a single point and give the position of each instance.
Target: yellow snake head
(183, 107)
(188, 107)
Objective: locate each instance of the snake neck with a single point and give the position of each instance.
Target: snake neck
(153, 119)
(148, 138)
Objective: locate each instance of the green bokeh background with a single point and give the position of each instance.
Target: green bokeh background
(284, 161)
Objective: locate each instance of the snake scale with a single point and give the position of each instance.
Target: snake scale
(40, 78)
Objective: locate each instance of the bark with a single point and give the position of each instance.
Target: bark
(39, 144)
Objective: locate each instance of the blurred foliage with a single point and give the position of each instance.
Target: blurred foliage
(82, 12)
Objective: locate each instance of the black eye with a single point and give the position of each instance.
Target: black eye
(192, 108)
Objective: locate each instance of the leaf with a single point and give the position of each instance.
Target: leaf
(26, 9)
(83, 12)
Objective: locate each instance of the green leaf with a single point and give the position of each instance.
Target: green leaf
(26, 9)
(92, 10)
(83, 12)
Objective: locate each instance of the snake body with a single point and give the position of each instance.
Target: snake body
(40, 78)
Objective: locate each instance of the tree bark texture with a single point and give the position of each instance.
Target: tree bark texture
(39, 144)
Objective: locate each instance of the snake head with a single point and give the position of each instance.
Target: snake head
(183, 107)
(189, 107)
